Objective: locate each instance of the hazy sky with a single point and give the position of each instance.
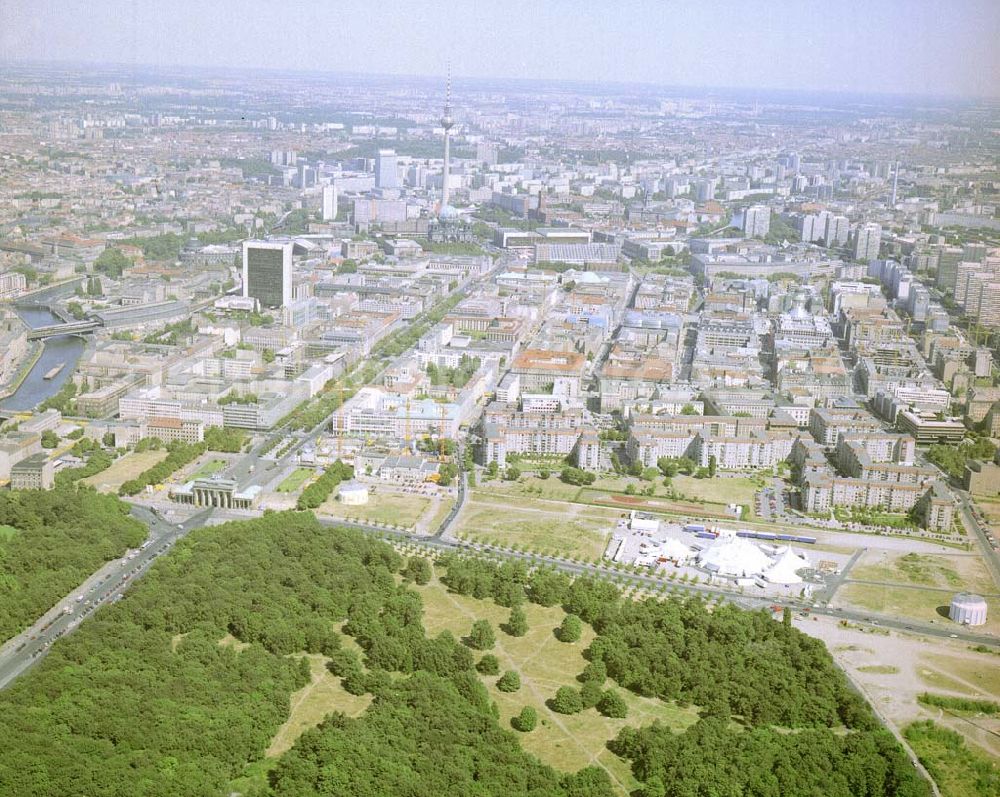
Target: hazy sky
(909, 46)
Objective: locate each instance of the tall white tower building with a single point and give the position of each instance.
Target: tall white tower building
(756, 221)
(386, 169)
(330, 201)
(867, 239)
(447, 123)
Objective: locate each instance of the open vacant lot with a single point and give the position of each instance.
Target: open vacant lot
(568, 530)
(123, 469)
(955, 571)
(397, 509)
(894, 669)
(695, 492)
(566, 742)
(925, 605)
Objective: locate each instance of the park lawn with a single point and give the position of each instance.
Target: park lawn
(567, 531)
(395, 509)
(957, 572)
(124, 469)
(313, 702)
(924, 605)
(294, 480)
(209, 468)
(6, 532)
(565, 742)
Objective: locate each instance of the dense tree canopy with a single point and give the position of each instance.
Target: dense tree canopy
(58, 538)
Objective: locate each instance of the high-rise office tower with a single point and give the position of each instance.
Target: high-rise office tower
(836, 229)
(386, 171)
(867, 239)
(976, 252)
(947, 269)
(267, 272)
(487, 152)
(330, 201)
(756, 221)
(704, 190)
(447, 122)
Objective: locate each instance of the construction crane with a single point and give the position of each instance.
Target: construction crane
(441, 433)
(407, 424)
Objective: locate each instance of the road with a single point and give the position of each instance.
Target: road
(105, 586)
(251, 470)
(109, 583)
(946, 630)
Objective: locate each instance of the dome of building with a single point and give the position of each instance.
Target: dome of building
(353, 493)
(968, 609)
(448, 212)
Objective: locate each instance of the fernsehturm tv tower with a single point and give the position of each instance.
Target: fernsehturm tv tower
(447, 123)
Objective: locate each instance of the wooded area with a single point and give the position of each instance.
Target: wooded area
(63, 535)
(144, 700)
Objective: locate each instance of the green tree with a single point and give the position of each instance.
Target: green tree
(591, 694)
(612, 704)
(49, 439)
(481, 636)
(267, 356)
(510, 681)
(517, 623)
(112, 262)
(526, 721)
(488, 665)
(417, 570)
(566, 701)
(570, 629)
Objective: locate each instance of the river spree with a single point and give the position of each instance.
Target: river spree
(35, 388)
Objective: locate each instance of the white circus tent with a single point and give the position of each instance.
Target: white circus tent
(786, 563)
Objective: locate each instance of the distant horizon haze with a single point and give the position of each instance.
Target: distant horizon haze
(898, 47)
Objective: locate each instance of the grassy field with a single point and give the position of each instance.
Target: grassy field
(945, 572)
(124, 469)
(6, 532)
(435, 520)
(569, 531)
(544, 664)
(924, 605)
(981, 681)
(294, 480)
(209, 468)
(879, 669)
(958, 770)
(320, 697)
(667, 505)
(383, 507)
(739, 490)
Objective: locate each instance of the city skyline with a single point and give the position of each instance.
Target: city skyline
(859, 48)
